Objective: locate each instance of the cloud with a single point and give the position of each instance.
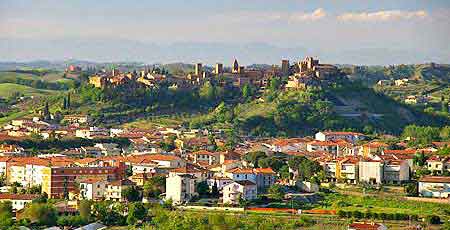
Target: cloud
(313, 16)
(382, 15)
(272, 16)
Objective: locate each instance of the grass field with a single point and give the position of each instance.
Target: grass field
(7, 89)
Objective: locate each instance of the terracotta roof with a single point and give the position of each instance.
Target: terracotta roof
(376, 144)
(364, 226)
(264, 170)
(440, 144)
(323, 143)
(404, 151)
(252, 170)
(435, 179)
(204, 152)
(4, 196)
(86, 160)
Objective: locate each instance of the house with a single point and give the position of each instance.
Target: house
(333, 136)
(372, 148)
(79, 119)
(345, 169)
(288, 145)
(434, 186)
(114, 190)
(92, 132)
(161, 160)
(109, 149)
(18, 201)
(322, 146)
(180, 188)
(438, 164)
(218, 181)
(11, 150)
(262, 177)
(401, 82)
(395, 171)
(366, 226)
(236, 190)
(92, 188)
(93, 226)
(412, 99)
(371, 171)
(210, 158)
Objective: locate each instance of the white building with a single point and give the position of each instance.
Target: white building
(371, 171)
(243, 189)
(434, 186)
(334, 136)
(92, 188)
(180, 188)
(18, 201)
(114, 189)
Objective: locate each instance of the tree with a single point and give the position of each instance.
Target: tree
(276, 192)
(411, 189)
(85, 209)
(202, 188)
(247, 91)
(254, 157)
(6, 215)
(46, 112)
(132, 194)
(215, 190)
(42, 214)
(420, 159)
(136, 211)
(154, 186)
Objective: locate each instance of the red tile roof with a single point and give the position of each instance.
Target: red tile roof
(364, 226)
(4, 196)
(435, 179)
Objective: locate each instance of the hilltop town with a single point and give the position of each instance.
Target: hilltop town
(82, 170)
(224, 115)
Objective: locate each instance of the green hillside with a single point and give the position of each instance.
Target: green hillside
(9, 89)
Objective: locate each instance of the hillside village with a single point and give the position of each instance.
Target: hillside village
(69, 158)
(195, 164)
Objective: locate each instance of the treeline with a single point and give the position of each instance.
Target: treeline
(422, 136)
(40, 84)
(64, 143)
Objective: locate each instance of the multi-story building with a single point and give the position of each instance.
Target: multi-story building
(114, 189)
(395, 171)
(204, 156)
(371, 171)
(59, 181)
(334, 136)
(180, 188)
(236, 190)
(438, 164)
(262, 177)
(92, 188)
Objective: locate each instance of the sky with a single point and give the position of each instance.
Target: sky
(256, 31)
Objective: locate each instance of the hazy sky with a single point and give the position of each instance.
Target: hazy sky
(341, 27)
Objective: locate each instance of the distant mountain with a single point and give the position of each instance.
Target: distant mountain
(119, 50)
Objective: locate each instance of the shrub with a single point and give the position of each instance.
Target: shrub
(433, 219)
(341, 213)
(357, 214)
